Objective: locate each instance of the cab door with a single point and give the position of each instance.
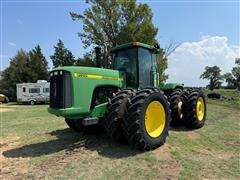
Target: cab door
(148, 74)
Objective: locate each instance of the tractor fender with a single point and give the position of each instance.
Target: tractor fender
(172, 86)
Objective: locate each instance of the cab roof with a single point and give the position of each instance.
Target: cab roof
(133, 44)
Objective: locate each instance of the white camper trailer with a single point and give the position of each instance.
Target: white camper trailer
(33, 92)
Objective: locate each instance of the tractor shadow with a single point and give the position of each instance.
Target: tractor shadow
(72, 142)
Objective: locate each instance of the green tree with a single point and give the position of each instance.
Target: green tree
(17, 72)
(62, 56)
(228, 77)
(236, 73)
(87, 60)
(233, 78)
(38, 64)
(237, 61)
(110, 23)
(24, 68)
(214, 75)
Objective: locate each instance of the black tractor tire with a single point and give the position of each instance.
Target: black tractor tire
(74, 124)
(135, 124)
(191, 108)
(116, 112)
(176, 97)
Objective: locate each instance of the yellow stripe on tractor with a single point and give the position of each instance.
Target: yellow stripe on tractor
(94, 76)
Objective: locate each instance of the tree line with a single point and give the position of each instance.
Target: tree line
(213, 74)
(105, 24)
(28, 67)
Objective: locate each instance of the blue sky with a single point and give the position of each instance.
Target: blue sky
(27, 23)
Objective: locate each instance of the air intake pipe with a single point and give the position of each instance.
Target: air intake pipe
(98, 56)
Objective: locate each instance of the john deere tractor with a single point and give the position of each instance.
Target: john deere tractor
(126, 99)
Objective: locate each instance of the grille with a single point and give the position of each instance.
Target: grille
(60, 89)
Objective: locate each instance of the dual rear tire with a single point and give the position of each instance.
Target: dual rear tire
(194, 108)
(176, 105)
(188, 108)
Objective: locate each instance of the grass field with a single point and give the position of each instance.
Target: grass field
(35, 144)
(227, 93)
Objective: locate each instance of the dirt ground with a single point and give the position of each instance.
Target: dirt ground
(4, 110)
(12, 168)
(21, 168)
(171, 168)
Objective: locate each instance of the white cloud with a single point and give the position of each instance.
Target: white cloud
(187, 63)
(11, 44)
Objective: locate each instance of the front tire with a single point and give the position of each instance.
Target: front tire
(148, 119)
(116, 113)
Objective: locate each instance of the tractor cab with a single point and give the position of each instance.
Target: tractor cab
(139, 62)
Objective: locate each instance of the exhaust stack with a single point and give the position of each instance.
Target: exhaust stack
(98, 56)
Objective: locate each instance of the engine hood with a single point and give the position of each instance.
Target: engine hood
(92, 72)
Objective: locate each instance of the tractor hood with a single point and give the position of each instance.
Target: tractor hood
(72, 88)
(92, 72)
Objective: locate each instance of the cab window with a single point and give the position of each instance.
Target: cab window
(126, 60)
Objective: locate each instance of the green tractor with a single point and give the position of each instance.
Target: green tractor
(126, 99)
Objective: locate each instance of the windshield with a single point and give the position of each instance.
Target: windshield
(126, 60)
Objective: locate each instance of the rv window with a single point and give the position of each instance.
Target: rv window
(46, 90)
(34, 90)
(24, 89)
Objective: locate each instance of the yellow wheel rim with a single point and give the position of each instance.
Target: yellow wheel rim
(180, 103)
(155, 118)
(200, 109)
